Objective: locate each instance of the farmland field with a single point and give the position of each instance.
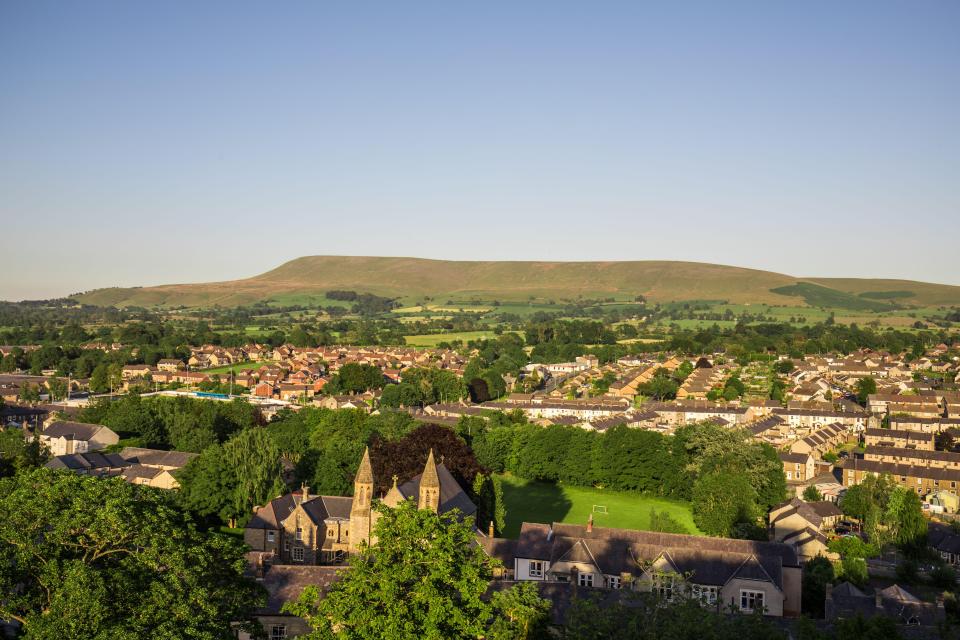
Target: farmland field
(433, 339)
(545, 502)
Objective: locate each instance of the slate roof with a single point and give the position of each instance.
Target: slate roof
(284, 583)
(72, 430)
(503, 549)
(452, 495)
(90, 461)
(711, 561)
(157, 457)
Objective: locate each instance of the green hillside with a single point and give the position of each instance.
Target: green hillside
(411, 279)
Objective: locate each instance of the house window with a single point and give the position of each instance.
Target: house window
(704, 593)
(585, 579)
(299, 534)
(271, 536)
(789, 475)
(286, 545)
(536, 569)
(613, 582)
(751, 601)
(278, 631)
(663, 586)
(298, 554)
(953, 485)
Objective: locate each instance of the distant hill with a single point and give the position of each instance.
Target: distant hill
(307, 279)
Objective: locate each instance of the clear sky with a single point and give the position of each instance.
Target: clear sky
(152, 142)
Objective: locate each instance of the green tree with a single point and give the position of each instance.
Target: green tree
(865, 386)
(854, 570)
(92, 558)
(208, 485)
(17, 454)
(817, 574)
(722, 500)
(424, 578)
(256, 461)
(519, 613)
(100, 379)
(812, 494)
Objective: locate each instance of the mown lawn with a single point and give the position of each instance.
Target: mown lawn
(240, 366)
(546, 503)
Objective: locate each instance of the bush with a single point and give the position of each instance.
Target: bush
(853, 547)
(854, 571)
(944, 577)
(908, 572)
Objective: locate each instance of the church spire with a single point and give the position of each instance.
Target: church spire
(365, 472)
(429, 486)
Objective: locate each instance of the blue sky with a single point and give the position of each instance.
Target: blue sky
(143, 143)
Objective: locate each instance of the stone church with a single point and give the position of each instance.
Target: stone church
(300, 528)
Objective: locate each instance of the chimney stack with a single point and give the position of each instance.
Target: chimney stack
(590, 524)
(491, 529)
(878, 598)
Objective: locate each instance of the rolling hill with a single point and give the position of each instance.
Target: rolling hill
(307, 279)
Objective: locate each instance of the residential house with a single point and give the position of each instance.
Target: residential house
(798, 467)
(746, 575)
(803, 525)
(76, 437)
(170, 364)
(922, 479)
(924, 441)
(822, 440)
(847, 601)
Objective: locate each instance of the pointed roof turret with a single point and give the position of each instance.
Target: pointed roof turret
(365, 472)
(430, 478)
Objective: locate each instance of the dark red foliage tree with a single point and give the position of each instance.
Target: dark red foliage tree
(407, 456)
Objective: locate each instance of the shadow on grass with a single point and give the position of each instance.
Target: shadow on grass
(542, 502)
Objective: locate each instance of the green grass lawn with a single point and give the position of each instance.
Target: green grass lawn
(240, 366)
(545, 502)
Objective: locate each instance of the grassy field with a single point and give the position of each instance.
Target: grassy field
(240, 366)
(433, 339)
(545, 502)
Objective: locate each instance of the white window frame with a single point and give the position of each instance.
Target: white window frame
(706, 594)
(278, 632)
(297, 554)
(271, 536)
(535, 568)
(298, 534)
(585, 579)
(614, 582)
(751, 600)
(665, 586)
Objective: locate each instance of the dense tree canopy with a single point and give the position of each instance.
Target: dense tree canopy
(90, 558)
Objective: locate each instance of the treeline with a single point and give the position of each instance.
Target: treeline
(731, 479)
(183, 424)
(745, 341)
(364, 303)
(322, 448)
(423, 386)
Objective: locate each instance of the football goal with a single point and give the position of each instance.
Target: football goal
(599, 508)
